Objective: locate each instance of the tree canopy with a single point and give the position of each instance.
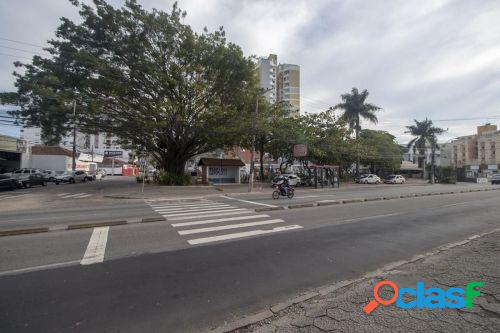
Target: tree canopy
(141, 75)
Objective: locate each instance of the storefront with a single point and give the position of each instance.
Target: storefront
(220, 171)
(14, 154)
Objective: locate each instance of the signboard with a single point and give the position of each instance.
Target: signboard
(474, 167)
(113, 153)
(299, 150)
(85, 157)
(493, 167)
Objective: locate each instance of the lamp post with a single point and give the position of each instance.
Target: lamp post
(252, 152)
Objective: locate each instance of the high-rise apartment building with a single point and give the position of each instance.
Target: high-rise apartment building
(479, 152)
(281, 82)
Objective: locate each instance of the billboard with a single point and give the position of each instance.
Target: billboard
(299, 150)
(113, 153)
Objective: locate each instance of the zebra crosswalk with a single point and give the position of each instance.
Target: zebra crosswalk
(13, 196)
(74, 195)
(205, 221)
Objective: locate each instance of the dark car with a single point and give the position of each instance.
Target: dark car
(495, 179)
(7, 182)
(33, 179)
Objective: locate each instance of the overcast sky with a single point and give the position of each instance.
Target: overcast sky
(437, 58)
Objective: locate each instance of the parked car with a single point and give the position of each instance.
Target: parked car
(24, 172)
(371, 179)
(293, 180)
(90, 176)
(71, 177)
(495, 179)
(31, 180)
(360, 177)
(394, 179)
(49, 175)
(7, 182)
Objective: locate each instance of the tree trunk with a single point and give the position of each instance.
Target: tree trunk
(357, 147)
(433, 162)
(261, 162)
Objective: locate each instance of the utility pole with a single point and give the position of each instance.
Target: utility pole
(252, 152)
(73, 164)
(252, 164)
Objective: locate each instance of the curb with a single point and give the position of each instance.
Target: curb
(95, 224)
(78, 226)
(15, 232)
(153, 219)
(358, 200)
(324, 290)
(266, 209)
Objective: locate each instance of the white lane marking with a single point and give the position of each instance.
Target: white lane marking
(179, 210)
(241, 234)
(73, 195)
(458, 203)
(39, 268)
(207, 215)
(84, 196)
(250, 202)
(201, 213)
(61, 194)
(97, 246)
(229, 226)
(307, 196)
(373, 217)
(191, 207)
(185, 206)
(226, 219)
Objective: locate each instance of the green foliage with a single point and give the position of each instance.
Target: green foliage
(167, 178)
(143, 76)
(380, 151)
(425, 135)
(446, 174)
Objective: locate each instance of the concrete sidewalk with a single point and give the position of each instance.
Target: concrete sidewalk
(340, 310)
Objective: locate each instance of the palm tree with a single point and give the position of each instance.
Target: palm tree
(425, 135)
(355, 108)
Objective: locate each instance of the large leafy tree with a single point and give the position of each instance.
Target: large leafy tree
(143, 76)
(380, 151)
(425, 136)
(355, 109)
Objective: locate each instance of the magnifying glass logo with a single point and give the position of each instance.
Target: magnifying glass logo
(373, 304)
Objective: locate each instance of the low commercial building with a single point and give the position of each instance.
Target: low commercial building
(14, 154)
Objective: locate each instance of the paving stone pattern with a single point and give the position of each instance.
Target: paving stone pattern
(341, 311)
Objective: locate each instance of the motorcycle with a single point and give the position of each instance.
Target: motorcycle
(281, 191)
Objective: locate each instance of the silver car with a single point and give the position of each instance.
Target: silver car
(72, 177)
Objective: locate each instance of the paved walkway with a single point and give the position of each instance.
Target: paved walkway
(341, 310)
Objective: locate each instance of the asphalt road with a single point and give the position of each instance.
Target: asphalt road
(153, 279)
(56, 206)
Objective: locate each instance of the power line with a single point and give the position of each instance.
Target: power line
(21, 50)
(14, 56)
(21, 42)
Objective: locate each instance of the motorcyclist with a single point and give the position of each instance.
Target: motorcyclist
(285, 185)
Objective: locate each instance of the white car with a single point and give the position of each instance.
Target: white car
(293, 180)
(371, 179)
(71, 177)
(394, 179)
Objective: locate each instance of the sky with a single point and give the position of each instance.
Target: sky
(438, 59)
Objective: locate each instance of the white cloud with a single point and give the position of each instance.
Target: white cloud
(436, 59)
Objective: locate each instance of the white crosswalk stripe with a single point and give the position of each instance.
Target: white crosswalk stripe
(211, 218)
(74, 196)
(14, 196)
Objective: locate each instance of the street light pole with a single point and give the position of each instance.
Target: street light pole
(252, 152)
(73, 162)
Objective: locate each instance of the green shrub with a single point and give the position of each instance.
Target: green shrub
(166, 178)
